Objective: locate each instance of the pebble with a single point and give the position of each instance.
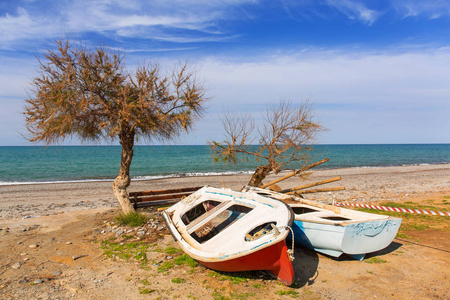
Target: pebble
(33, 246)
(68, 243)
(78, 256)
(57, 273)
(16, 266)
(38, 281)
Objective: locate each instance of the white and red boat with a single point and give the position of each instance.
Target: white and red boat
(233, 231)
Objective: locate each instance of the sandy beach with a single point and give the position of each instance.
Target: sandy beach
(361, 184)
(50, 233)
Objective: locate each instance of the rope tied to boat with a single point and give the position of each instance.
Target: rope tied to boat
(290, 252)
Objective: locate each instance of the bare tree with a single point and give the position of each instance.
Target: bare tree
(285, 138)
(87, 93)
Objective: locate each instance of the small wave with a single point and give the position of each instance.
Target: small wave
(51, 182)
(191, 174)
(138, 178)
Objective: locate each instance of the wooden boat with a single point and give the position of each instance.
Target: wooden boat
(233, 231)
(334, 230)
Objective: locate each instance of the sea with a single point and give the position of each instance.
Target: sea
(48, 164)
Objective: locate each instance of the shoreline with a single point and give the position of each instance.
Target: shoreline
(200, 174)
(361, 184)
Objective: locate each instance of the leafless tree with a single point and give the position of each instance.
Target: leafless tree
(285, 138)
(87, 93)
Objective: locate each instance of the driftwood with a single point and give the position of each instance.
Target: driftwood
(295, 172)
(310, 185)
(299, 190)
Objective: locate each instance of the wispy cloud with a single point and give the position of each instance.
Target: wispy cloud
(136, 18)
(355, 10)
(430, 9)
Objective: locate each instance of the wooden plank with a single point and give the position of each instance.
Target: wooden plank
(162, 197)
(311, 185)
(205, 216)
(156, 203)
(296, 172)
(163, 192)
(339, 188)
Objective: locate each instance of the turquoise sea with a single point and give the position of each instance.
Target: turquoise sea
(34, 164)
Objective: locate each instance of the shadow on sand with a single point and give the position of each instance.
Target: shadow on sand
(305, 265)
(307, 261)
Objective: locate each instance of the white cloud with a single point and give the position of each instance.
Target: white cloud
(21, 26)
(355, 10)
(365, 97)
(336, 77)
(360, 97)
(414, 8)
(136, 18)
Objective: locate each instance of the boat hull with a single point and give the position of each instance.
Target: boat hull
(233, 231)
(273, 259)
(355, 239)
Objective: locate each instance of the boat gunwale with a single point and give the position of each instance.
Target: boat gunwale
(187, 242)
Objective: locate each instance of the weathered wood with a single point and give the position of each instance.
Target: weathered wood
(311, 185)
(163, 192)
(296, 172)
(159, 197)
(339, 188)
(156, 203)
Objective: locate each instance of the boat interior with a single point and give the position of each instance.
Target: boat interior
(313, 213)
(210, 217)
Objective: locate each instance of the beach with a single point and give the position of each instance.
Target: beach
(50, 234)
(361, 184)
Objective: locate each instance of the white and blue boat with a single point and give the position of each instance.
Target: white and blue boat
(334, 230)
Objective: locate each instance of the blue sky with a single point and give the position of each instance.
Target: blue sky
(375, 71)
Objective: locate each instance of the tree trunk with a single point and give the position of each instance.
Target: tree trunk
(259, 175)
(123, 180)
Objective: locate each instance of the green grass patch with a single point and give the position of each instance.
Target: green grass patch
(133, 219)
(172, 250)
(241, 296)
(145, 282)
(292, 293)
(135, 250)
(165, 267)
(403, 236)
(178, 280)
(234, 278)
(185, 260)
(146, 291)
(375, 260)
(218, 296)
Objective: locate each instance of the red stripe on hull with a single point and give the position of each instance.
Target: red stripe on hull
(273, 259)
